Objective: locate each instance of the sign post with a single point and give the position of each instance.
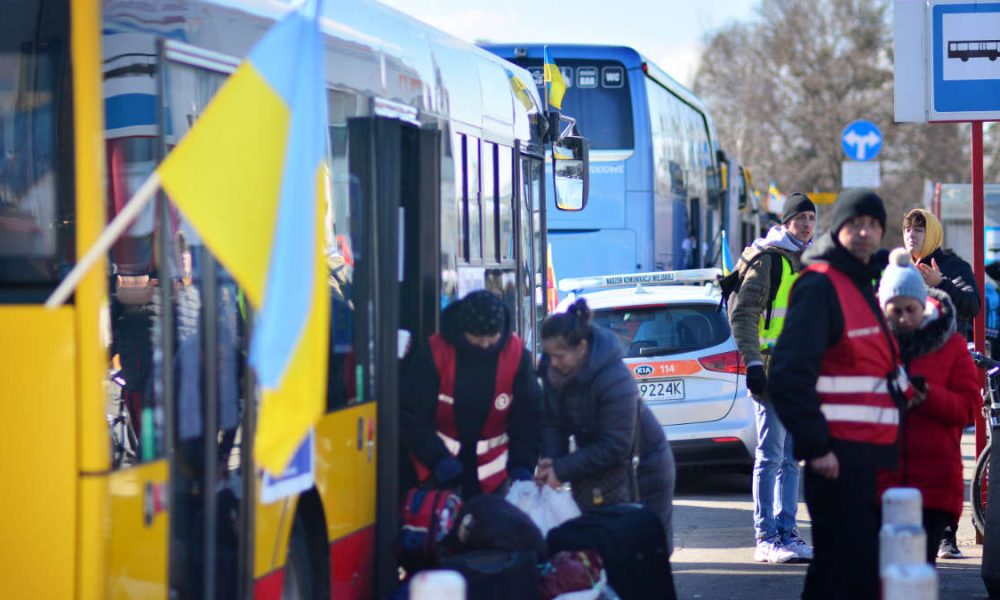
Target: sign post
(947, 71)
(861, 141)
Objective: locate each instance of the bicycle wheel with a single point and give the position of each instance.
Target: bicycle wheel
(979, 490)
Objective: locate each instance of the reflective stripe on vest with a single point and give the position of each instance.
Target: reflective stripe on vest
(769, 335)
(852, 386)
(860, 414)
(492, 446)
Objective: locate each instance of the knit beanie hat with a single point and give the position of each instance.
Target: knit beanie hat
(482, 313)
(857, 203)
(933, 232)
(795, 204)
(901, 278)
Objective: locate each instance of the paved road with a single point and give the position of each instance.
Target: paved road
(713, 560)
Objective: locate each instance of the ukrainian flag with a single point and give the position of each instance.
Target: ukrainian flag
(774, 197)
(248, 177)
(555, 86)
(727, 257)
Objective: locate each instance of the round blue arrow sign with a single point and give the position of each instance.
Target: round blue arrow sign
(861, 140)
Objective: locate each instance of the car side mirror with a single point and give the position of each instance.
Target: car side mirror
(571, 172)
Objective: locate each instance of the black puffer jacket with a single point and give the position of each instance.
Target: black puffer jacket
(960, 284)
(475, 376)
(600, 407)
(814, 323)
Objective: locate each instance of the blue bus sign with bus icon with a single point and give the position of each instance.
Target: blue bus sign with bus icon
(965, 46)
(861, 140)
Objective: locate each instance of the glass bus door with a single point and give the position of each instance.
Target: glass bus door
(396, 164)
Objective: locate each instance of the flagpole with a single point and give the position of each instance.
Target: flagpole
(111, 233)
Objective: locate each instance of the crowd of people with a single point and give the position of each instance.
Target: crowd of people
(855, 358)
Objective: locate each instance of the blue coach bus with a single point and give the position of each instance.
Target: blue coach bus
(656, 197)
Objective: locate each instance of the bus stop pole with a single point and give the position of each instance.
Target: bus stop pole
(990, 569)
(979, 257)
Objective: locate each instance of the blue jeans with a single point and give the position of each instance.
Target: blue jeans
(775, 477)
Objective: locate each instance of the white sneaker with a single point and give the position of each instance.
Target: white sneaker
(772, 551)
(799, 547)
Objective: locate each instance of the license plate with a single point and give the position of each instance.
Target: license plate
(664, 389)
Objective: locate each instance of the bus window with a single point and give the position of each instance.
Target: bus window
(599, 100)
(505, 202)
(136, 407)
(471, 196)
(36, 210)
(527, 255)
(342, 203)
(489, 203)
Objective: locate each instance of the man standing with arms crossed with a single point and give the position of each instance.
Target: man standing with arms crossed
(757, 317)
(837, 385)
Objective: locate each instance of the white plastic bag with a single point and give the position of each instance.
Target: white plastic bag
(548, 508)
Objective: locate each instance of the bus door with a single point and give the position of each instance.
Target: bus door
(396, 165)
(204, 379)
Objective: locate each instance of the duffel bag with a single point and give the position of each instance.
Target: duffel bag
(630, 541)
(496, 574)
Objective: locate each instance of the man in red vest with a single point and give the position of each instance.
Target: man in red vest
(471, 403)
(837, 385)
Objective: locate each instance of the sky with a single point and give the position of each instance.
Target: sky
(669, 32)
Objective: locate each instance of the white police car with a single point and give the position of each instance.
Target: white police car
(681, 351)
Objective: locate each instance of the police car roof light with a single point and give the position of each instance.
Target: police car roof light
(685, 277)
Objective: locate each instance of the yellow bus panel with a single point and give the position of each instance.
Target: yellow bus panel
(139, 529)
(38, 442)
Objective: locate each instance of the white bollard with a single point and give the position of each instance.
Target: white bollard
(437, 585)
(902, 506)
(901, 545)
(910, 582)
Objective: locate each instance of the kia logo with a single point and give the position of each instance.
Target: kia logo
(643, 370)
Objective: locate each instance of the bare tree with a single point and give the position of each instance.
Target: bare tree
(783, 87)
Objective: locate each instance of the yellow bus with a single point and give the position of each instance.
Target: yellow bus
(129, 412)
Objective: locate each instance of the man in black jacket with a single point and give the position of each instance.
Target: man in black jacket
(835, 340)
(476, 332)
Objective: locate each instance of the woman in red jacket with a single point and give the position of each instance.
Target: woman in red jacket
(947, 383)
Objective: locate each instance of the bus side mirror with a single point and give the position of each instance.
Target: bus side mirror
(571, 172)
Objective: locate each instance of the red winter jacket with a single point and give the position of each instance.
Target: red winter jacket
(930, 456)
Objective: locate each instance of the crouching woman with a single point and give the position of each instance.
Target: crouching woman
(589, 393)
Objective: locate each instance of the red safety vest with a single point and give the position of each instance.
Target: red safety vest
(853, 384)
(492, 446)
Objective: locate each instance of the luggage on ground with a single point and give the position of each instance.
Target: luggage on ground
(496, 574)
(491, 523)
(632, 544)
(429, 516)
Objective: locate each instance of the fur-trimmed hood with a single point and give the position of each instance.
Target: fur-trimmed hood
(938, 325)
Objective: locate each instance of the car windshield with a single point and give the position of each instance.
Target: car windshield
(665, 329)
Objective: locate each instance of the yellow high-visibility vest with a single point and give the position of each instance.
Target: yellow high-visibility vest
(769, 334)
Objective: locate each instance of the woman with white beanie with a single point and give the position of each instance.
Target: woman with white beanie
(947, 383)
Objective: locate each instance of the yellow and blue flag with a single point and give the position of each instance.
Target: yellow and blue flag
(555, 86)
(775, 199)
(248, 177)
(727, 257)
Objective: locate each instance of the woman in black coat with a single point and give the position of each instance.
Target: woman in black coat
(590, 394)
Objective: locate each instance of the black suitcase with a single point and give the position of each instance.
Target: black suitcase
(496, 574)
(632, 544)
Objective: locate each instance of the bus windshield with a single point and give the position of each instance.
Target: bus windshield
(597, 96)
(34, 229)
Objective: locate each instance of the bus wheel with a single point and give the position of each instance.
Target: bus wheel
(301, 578)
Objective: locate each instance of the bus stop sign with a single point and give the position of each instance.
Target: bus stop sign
(861, 140)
